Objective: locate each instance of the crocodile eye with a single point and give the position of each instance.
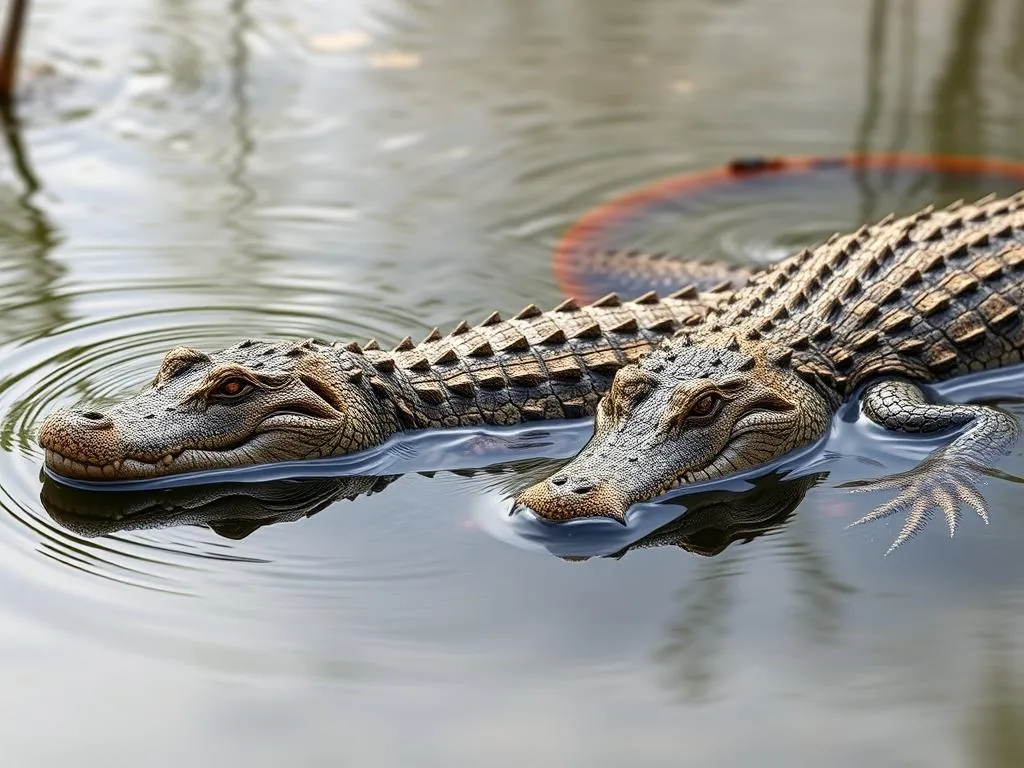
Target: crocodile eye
(233, 388)
(706, 406)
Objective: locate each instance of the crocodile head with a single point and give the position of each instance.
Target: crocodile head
(679, 417)
(256, 402)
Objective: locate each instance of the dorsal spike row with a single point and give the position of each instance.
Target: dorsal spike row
(429, 393)
(783, 358)
(461, 385)
(556, 336)
(492, 319)
(491, 380)
(651, 297)
(591, 331)
(384, 364)
(355, 375)
(626, 326)
(459, 329)
(519, 344)
(434, 335)
(686, 292)
(483, 349)
(569, 305)
(527, 378)
(608, 300)
(372, 346)
(419, 364)
(667, 324)
(800, 341)
(404, 345)
(354, 348)
(527, 312)
(446, 357)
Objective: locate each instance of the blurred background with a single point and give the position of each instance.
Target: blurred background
(196, 171)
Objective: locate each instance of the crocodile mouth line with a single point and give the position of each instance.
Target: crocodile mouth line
(155, 465)
(72, 467)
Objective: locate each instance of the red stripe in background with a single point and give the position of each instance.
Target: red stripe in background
(588, 228)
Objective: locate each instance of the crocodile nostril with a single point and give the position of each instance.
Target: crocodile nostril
(559, 480)
(583, 487)
(92, 419)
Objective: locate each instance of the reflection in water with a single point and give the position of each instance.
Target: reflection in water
(241, 117)
(959, 102)
(995, 729)
(16, 14)
(714, 520)
(878, 74)
(700, 629)
(233, 511)
(707, 523)
(28, 238)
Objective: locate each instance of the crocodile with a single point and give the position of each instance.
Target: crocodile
(263, 401)
(872, 316)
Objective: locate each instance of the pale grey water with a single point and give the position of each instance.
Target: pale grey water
(198, 172)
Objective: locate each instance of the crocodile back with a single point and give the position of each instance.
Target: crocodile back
(930, 296)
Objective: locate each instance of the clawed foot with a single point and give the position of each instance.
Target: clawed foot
(933, 485)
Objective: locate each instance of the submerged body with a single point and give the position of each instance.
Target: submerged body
(903, 302)
(261, 401)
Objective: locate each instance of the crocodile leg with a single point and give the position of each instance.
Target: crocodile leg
(946, 479)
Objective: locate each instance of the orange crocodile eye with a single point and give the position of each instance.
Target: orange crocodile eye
(232, 387)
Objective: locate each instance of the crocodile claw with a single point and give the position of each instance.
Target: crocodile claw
(934, 485)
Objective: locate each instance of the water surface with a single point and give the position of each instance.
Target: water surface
(195, 173)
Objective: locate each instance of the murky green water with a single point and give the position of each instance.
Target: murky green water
(198, 172)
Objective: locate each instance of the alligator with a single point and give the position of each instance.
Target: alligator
(873, 316)
(269, 401)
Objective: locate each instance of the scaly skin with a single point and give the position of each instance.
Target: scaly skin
(261, 402)
(903, 302)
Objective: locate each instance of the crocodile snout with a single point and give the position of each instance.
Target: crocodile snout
(80, 442)
(569, 497)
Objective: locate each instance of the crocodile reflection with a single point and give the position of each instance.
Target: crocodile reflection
(706, 525)
(715, 519)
